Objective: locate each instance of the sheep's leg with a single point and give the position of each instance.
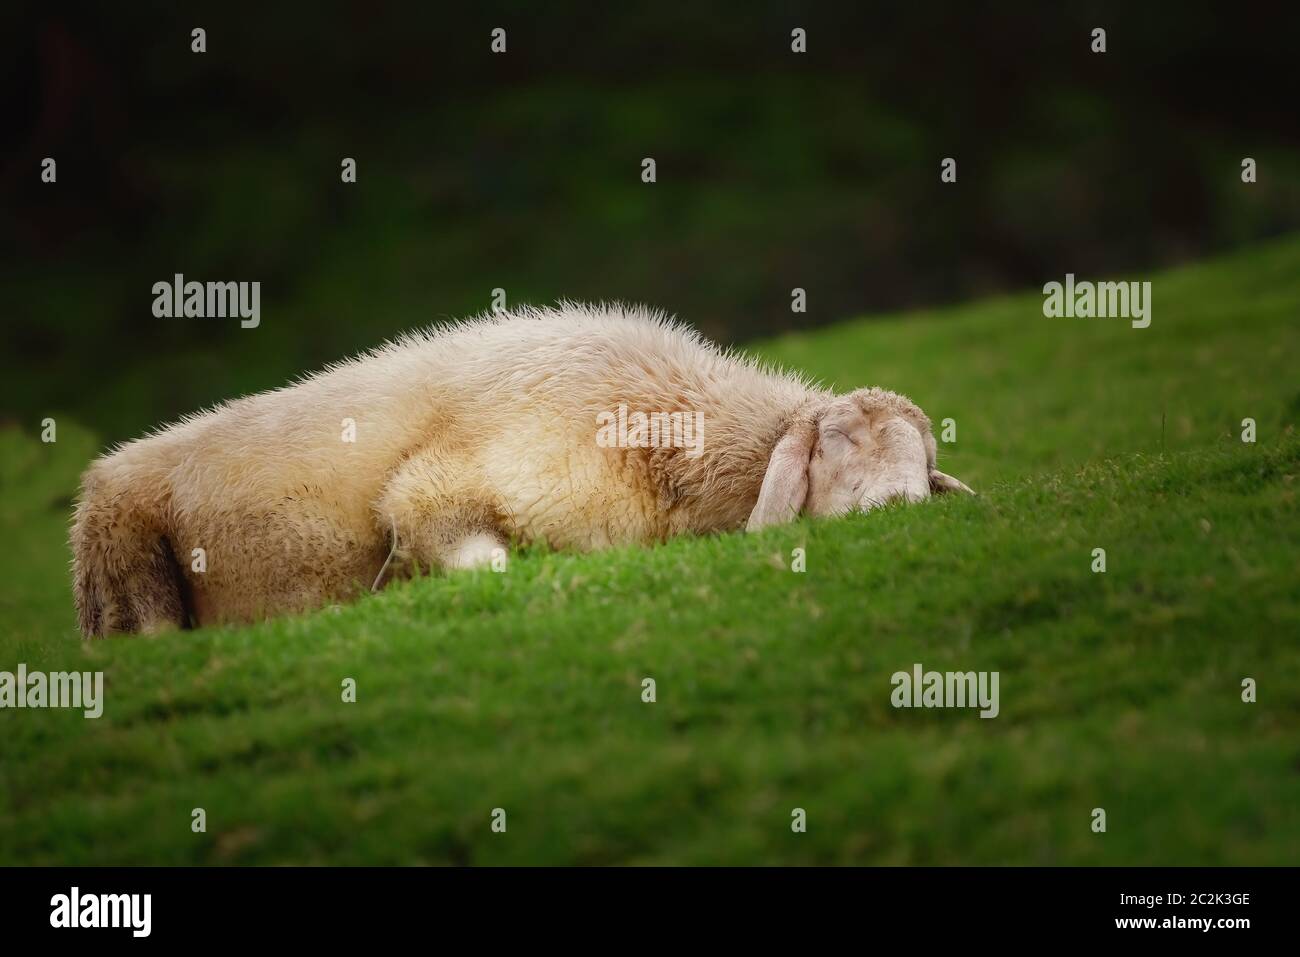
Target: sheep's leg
(438, 518)
(445, 536)
(475, 551)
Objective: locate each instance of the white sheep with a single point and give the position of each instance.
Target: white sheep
(439, 449)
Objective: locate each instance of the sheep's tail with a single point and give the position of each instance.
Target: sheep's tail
(125, 575)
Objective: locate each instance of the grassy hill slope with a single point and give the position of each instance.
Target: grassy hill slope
(522, 690)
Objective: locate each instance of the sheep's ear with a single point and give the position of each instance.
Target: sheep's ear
(940, 482)
(785, 484)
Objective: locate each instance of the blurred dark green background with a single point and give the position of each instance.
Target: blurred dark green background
(522, 171)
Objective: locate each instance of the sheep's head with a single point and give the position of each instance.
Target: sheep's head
(852, 452)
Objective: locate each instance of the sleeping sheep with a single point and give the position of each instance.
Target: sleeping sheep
(583, 427)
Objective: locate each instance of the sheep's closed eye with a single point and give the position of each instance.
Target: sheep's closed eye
(833, 431)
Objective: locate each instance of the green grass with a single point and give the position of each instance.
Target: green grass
(523, 691)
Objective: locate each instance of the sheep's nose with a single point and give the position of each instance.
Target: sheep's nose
(908, 494)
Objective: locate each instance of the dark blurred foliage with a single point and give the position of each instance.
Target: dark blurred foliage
(775, 170)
